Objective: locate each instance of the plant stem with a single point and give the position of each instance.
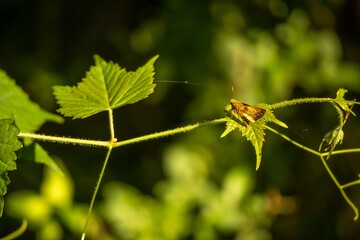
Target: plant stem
(293, 142)
(341, 189)
(342, 151)
(301, 100)
(332, 176)
(169, 132)
(17, 232)
(79, 141)
(350, 184)
(111, 125)
(114, 144)
(96, 191)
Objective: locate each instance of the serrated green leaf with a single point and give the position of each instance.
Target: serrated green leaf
(343, 103)
(253, 131)
(8, 145)
(255, 134)
(15, 103)
(230, 126)
(269, 116)
(332, 139)
(106, 86)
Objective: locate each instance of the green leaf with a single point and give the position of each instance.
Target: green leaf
(254, 131)
(269, 116)
(230, 126)
(343, 103)
(15, 103)
(8, 145)
(332, 139)
(106, 86)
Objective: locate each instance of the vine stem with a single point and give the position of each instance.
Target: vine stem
(332, 176)
(341, 188)
(169, 132)
(17, 233)
(111, 125)
(97, 187)
(79, 141)
(294, 142)
(303, 100)
(113, 143)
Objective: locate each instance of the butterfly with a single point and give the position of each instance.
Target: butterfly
(248, 114)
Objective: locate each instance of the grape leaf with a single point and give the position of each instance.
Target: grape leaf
(106, 86)
(253, 131)
(15, 103)
(343, 103)
(8, 145)
(28, 116)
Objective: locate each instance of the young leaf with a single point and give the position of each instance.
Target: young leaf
(106, 86)
(8, 145)
(332, 139)
(343, 103)
(269, 116)
(15, 103)
(231, 125)
(253, 131)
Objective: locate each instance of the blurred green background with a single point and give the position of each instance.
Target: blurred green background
(195, 185)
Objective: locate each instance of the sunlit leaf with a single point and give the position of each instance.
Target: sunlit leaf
(106, 86)
(332, 139)
(8, 145)
(343, 103)
(15, 103)
(253, 131)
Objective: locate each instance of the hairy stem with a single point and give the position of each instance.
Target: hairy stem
(66, 140)
(332, 176)
(341, 189)
(169, 132)
(115, 144)
(111, 126)
(293, 141)
(300, 101)
(96, 191)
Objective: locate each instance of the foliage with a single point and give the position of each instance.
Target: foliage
(255, 131)
(8, 145)
(282, 52)
(80, 102)
(106, 86)
(15, 104)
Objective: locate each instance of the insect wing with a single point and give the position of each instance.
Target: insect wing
(247, 113)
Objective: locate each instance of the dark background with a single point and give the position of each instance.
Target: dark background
(265, 50)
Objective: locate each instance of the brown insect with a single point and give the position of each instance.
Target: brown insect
(248, 114)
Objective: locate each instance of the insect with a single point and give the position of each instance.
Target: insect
(248, 114)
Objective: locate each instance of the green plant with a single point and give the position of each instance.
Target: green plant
(106, 87)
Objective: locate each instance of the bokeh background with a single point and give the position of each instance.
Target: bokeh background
(194, 185)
